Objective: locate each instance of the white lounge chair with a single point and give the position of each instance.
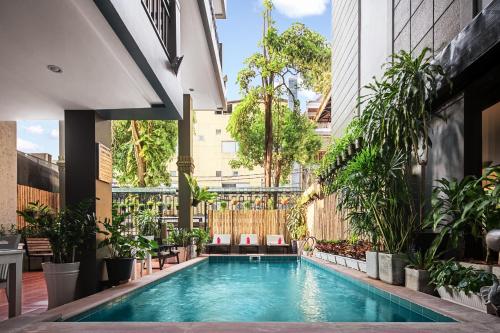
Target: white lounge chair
(248, 242)
(220, 241)
(276, 242)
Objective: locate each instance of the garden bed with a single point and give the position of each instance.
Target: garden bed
(359, 265)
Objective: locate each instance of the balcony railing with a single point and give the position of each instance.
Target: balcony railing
(161, 14)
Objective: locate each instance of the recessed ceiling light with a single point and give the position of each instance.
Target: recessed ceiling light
(54, 69)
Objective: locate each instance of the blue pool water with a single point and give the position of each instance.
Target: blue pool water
(237, 290)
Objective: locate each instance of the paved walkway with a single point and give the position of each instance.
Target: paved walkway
(35, 292)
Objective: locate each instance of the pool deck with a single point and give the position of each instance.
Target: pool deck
(468, 320)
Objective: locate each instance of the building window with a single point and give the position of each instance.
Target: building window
(173, 173)
(218, 131)
(218, 173)
(201, 138)
(235, 173)
(230, 147)
(228, 185)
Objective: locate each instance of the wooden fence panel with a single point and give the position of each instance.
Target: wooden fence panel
(260, 222)
(324, 221)
(26, 194)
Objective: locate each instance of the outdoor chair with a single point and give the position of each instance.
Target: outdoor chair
(7, 243)
(38, 248)
(166, 251)
(248, 242)
(220, 241)
(276, 242)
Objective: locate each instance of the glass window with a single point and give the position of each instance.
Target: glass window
(235, 173)
(218, 173)
(218, 131)
(229, 147)
(201, 138)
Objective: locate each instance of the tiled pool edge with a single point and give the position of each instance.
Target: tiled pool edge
(460, 314)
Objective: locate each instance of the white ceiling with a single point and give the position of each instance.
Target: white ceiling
(98, 72)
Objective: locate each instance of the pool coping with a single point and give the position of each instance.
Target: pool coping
(468, 320)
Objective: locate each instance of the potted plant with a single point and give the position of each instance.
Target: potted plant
(200, 194)
(461, 285)
(147, 223)
(9, 235)
(296, 224)
(223, 205)
(123, 249)
(307, 250)
(201, 237)
(417, 276)
(71, 233)
(182, 238)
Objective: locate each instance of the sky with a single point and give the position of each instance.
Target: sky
(240, 33)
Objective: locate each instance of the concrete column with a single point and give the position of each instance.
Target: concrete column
(84, 129)
(8, 170)
(185, 164)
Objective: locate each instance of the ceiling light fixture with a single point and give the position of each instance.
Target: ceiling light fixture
(54, 69)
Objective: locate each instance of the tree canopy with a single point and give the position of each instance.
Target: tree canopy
(294, 137)
(142, 151)
(296, 51)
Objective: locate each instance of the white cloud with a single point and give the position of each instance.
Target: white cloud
(26, 146)
(54, 134)
(300, 8)
(35, 129)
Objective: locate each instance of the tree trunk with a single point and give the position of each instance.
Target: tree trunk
(139, 160)
(277, 174)
(268, 140)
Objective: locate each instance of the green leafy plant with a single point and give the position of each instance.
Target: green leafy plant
(421, 260)
(223, 205)
(452, 274)
(201, 237)
(147, 222)
(120, 244)
(200, 194)
(469, 205)
(70, 232)
(296, 221)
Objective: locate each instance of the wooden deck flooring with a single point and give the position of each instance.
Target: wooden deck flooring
(35, 292)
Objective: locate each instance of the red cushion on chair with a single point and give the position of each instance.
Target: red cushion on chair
(218, 240)
(248, 240)
(279, 241)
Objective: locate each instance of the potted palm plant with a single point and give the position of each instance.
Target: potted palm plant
(200, 237)
(123, 248)
(182, 239)
(200, 194)
(417, 276)
(296, 224)
(71, 233)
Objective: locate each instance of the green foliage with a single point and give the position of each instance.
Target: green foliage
(200, 194)
(296, 221)
(201, 237)
(70, 232)
(10, 230)
(120, 244)
(180, 237)
(372, 189)
(158, 142)
(295, 139)
(147, 222)
(452, 274)
(398, 109)
(471, 204)
(421, 260)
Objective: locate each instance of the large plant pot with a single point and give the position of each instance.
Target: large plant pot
(470, 300)
(418, 280)
(119, 269)
(391, 268)
(61, 282)
(372, 264)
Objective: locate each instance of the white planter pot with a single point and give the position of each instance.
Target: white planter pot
(331, 258)
(371, 265)
(352, 263)
(61, 282)
(418, 280)
(319, 255)
(391, 268)
(362, 266)
(340, 260)
(471, 300)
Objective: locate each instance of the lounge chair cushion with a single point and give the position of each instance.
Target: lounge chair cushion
(225, 239)
(274, 240)
(252, 237)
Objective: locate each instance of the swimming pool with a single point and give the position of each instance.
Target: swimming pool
(274, 289)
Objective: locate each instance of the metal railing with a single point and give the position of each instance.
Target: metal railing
(160, 15)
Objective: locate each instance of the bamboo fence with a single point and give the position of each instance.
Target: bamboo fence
(26, 194)
(324, 221)
(260, 222)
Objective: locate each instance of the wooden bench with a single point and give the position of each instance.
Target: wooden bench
(39, 248)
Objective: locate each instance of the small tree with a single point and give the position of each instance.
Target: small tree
(142, 150)
(296, 51)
